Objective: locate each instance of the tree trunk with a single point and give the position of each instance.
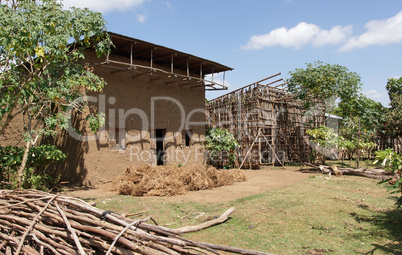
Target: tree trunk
(21, 170)
(369, 173)
(350, 158)
(324, 110)
(343, 157)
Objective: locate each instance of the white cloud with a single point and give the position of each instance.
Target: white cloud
(373, 94)
(103, 5)
(336, 35)
(141, 18)
(379, 32)
(298, 36)
(169, 5)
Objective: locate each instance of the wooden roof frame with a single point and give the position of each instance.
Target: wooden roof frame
(276, 85)
(163, 62)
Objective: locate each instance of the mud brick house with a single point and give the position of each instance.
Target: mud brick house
(154, 104)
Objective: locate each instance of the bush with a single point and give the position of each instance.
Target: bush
(37, 176)
(324, 142)
(391, 162)
(221, 146)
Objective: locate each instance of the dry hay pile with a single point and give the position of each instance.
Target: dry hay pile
(147, 180)
(34, 222)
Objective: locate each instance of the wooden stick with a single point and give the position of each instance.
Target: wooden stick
(5, 241)
(14, 240)
(61, 221)
(45, 244)
(245, 157)
(76, 240)
(273, 150)
(122, 232)
(32, 224)
(233, 249)
(26, 201)
(207, 224)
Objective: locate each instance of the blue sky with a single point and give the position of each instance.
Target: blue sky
(259, 38)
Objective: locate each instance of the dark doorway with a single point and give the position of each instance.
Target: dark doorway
(160, 140)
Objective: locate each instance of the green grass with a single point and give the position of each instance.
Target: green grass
(337, 215)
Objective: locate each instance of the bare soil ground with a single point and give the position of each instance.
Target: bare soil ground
(259, 181)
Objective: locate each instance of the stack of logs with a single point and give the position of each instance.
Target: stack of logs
(35, 222)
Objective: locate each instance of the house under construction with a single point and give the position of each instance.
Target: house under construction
(266, 120)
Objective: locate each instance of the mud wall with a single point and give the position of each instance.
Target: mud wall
(136, 105)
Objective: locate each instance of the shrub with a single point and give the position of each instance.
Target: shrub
(221, 146)
(38, 175)
(391, 162)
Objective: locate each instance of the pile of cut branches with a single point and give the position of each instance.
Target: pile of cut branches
(147, 180)
(35, 222)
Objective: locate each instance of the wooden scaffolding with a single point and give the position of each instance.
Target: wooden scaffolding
(266, 120)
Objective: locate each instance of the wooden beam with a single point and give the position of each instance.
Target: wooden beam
(273, 82)
(281, 84)
(165, 56)
(272, 76)
(113, 64)
(143, 52)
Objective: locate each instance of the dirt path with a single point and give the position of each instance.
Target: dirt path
(259, 181)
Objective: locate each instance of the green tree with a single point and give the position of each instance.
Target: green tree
(220, 142)
(370, 113)
(363, 119)
(324, 142)
(394, 87)
(393, 122)
(323, 84)
(42, 75)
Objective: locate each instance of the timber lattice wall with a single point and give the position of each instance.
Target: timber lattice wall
(266, 120)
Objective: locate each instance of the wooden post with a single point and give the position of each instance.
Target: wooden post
(171, 65)
(223, 81)
(213, 70)
(188, 69)
(131, 55)
(273, 133)
(152, 56)
(201, 71)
